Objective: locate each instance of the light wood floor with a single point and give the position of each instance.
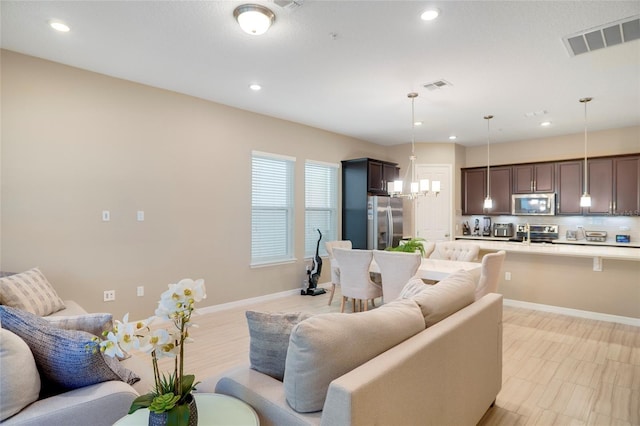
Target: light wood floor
(557, 370)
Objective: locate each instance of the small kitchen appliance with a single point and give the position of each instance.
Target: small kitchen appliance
(538, 233)
(486, 229)
(503, 229)
(596, 236)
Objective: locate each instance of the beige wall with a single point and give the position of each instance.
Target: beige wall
(75, 143)
(601, 143)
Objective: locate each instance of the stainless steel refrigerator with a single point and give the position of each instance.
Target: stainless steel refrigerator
(384, 222)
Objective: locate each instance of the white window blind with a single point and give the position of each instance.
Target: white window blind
(271, 208)
(321, 205)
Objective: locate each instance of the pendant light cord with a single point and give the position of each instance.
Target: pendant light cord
(585, 101)
(488, 117)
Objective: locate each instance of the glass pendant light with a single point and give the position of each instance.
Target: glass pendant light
(488, 202)
(585, 200)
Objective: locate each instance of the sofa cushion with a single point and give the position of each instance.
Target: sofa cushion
(95, 324)
(66, 359)
(326, 346)
(31, 292)
(269, 334)
(440, 300)
(19, 381)
(412, 287)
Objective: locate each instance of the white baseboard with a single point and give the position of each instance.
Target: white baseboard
(251, 301)
(573, 312)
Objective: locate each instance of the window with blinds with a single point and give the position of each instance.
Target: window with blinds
(321, 205)
(271, 208)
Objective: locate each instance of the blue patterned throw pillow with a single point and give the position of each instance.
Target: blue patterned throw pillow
(63, 357)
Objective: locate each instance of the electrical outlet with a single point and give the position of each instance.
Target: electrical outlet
(106, 216)
(109, 295)
(507, 276)
(140, 291)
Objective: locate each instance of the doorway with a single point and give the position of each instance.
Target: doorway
(433, 213)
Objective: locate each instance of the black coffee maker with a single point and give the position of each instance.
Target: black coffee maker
(486, 229)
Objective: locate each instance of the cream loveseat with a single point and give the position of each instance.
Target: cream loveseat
(22, 382)
(447, 371)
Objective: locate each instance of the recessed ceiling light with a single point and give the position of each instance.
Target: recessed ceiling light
(453, 137)
(255, 87)
(430, 14)
(418, 123)
(59, 26)
(545, 123)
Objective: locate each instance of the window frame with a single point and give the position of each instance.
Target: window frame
(310, 234)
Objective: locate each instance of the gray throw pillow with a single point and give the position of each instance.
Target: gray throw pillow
(95, 324)
(64, 358)
(269, 333)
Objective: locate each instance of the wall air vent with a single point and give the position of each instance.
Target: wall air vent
(606, 35)
(439, 84)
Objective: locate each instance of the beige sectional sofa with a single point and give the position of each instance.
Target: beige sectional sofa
(37, 326)
(449, 373)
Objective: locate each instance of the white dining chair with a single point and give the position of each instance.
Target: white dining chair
(396, 269)
(455, 250)
(490, 273)
(335, 268)
(355, 281)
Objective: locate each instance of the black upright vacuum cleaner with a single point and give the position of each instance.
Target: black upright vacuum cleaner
(314, 274)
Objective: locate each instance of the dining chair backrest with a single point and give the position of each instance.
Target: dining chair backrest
(396, 269)
(428, 247)
(355, 281)
(455, 250)
(330, 245)
(490, 273)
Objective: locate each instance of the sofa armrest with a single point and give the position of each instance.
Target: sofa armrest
(266, 395)
(449, 373)
(71, 308)
(100, 404)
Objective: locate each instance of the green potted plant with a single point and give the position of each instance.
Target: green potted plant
(410, 246)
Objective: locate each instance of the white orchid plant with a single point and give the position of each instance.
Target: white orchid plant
(172, 392)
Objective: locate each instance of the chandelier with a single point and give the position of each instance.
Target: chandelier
(417, 187)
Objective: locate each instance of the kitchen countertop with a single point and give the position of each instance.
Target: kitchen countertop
(621, 251)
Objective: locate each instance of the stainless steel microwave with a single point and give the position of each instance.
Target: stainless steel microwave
(534, 204)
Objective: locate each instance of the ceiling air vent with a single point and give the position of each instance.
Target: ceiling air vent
(439, 84)
(603, 36)
(289, 4)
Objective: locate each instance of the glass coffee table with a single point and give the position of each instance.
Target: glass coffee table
(214, 409)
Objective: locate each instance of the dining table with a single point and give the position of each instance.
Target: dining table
(439, 269)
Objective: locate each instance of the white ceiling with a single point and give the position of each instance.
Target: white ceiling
(505, 58)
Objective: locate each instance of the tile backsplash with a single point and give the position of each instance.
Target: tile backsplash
(613, 225)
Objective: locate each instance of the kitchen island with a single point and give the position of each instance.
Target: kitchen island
(585, 277)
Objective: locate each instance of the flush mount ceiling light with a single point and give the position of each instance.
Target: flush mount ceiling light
(255, 87)
(430, 14)
(253, 18)
(59, 26)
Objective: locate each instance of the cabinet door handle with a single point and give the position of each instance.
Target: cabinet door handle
(531, 186)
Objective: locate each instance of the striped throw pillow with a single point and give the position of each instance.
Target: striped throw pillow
(31, 292)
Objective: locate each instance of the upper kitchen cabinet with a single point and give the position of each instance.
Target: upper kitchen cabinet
(600, 186)
(569, 185)
(474, 192)
(614, 186)
(533, 178)
(626, 186)
(369, 175)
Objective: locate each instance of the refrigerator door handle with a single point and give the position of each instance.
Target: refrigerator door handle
(390, 221)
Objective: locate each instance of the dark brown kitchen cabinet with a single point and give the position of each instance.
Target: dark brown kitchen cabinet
(378, 173)
(533, 178)
(600, 178)
(569, 185)
(626, 186)
(474, 190)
